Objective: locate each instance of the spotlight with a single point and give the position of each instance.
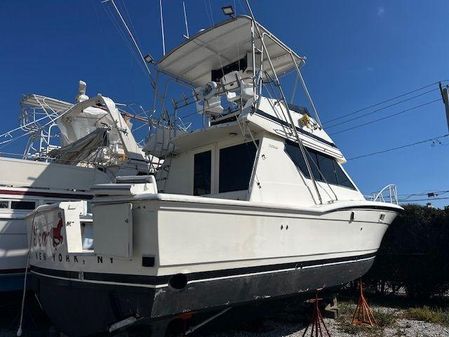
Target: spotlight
(228, 10)
(148, 58)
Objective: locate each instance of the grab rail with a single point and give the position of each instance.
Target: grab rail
(387, 194)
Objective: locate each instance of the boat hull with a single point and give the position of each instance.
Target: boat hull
(69, 300)
(193, 254)
(13, 251)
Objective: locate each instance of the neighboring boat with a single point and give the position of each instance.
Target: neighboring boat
(96, 145)
(255, 205)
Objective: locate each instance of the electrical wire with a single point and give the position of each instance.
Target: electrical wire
(429, 199)
(383, 102)
(386, 117)
(380, 109)
(398, 147)
(430, 195)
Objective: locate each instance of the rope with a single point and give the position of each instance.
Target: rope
(22, 307)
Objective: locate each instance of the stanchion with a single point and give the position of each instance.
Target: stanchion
(363, 313)
(317, 323)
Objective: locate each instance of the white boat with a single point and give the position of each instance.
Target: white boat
(255, 205)
(93, 151)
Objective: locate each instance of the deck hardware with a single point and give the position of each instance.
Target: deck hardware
(351, 217)
(148, 261)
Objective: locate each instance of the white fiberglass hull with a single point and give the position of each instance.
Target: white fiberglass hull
(27, 181)
(189, 256)
(13, 250)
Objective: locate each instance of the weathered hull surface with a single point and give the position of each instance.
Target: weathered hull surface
(72, 303)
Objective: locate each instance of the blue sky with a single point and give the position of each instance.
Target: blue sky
(359, 53)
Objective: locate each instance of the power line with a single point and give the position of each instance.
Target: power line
(398, 147)
(408, 195)
(383, 108)
(429, 199)
(386, 117)
(383, 102)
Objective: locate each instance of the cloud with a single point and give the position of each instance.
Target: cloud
(380, 11)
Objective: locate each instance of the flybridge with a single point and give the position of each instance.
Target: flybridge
(222, 45)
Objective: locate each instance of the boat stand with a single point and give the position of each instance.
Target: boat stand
(319, 328)
(363, 313)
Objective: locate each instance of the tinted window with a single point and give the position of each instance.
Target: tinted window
(4, 204)
(23, 205)
(202, 173)
(324, 168)
(295, 155)
(236, 165)
(327, 168)
(342, 178)
(313, 160)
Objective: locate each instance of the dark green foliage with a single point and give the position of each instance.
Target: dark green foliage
(414, 253)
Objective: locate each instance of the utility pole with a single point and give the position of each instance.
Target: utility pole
(445, 96)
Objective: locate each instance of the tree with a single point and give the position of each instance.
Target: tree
(414, 253)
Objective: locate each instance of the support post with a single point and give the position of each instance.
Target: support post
(445, 96)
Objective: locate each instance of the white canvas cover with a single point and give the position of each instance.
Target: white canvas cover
(193, 61)
(81, 149)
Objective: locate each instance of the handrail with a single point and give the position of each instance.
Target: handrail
(391, 194)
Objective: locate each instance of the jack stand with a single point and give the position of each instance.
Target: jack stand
(363, 313)
(185, 317)
(317, 322)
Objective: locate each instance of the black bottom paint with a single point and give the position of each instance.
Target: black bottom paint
(81, 308)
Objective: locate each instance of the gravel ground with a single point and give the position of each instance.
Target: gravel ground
(392, 323)
(283, 318)
(403, 328)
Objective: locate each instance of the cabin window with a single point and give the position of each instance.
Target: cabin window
(297, 158)
(236, 166)
(23, 205)
(327, 167)
(324, 168)
(4, 204)
(342, 178)
(202, 173)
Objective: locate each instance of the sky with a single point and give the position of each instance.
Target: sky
(358, 53)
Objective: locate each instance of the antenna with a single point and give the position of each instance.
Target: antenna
(136, 46)
(162, 28)
(187, 35)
